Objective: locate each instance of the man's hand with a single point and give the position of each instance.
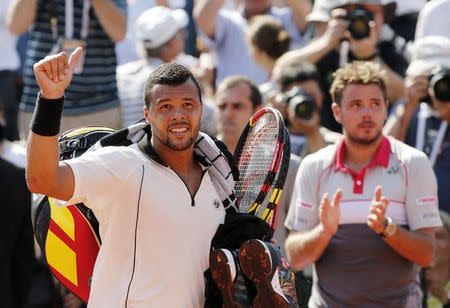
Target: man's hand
(336, 27)
(54, 73)
(376, 219)
(416, 89)
(330, 213)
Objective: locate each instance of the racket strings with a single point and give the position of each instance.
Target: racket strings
(256, 161)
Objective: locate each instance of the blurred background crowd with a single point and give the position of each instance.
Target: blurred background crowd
(247, 54)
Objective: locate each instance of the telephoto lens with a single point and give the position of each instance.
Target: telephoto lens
(359, 23)
(300, 103)
(439, 81)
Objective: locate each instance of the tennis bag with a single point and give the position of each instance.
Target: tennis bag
(68, 236)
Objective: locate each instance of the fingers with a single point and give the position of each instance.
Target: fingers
(75, 57)
(325, 203)
(378, 193)
(337, 198)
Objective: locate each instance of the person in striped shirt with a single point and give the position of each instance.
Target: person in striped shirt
(57, 25)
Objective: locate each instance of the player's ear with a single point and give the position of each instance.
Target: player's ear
(336, 112)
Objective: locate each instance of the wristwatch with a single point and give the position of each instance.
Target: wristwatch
(390, 228)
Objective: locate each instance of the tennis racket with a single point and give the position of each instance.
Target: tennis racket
(262, 157)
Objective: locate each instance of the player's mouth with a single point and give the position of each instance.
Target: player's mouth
(178, 129)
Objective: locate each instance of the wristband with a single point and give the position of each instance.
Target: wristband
(47, 116)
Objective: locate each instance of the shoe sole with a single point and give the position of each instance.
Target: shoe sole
(223, 272)
(257, 262)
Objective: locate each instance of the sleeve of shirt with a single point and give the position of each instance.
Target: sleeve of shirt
(98, 177)
(421, 197)
(303, 211)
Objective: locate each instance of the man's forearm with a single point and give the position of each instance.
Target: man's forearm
(311, 53)
(21, 15)
(206, 13)
(304, 248)
(416, 246)
(112, 19)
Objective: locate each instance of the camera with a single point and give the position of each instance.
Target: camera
(439, 81)
(300, 103)
(359, 23)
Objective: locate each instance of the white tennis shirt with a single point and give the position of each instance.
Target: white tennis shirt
(155, 242)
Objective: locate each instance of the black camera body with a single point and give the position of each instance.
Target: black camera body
(359, 23)
(439, 81)
(300, 103)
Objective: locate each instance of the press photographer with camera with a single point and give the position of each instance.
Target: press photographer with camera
(422, 121)
(300, 102)
(353, 32)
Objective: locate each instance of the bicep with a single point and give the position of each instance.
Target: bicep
(65, 184)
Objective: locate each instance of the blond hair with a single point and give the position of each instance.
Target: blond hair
(357, 72)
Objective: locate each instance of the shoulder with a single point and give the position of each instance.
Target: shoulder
(320, 160)
(405, 153)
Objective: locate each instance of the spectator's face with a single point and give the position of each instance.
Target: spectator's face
(312, 88)
(174, 115)
(362, 113)
(377, 11)
(306, 126)
(234, 110)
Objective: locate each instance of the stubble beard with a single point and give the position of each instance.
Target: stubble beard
(364, 141)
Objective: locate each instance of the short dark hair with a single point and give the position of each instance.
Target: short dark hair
(298, 72)
(171, 74)
(232, 81)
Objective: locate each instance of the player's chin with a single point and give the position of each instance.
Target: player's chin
(181, 145)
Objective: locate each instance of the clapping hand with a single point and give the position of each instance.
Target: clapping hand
(330, 212)
(376, 220)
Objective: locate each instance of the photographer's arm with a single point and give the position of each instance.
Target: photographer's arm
(21, 15)
(45, 174)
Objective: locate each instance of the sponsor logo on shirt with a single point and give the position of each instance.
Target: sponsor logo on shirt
(426, 200)
(302, 204)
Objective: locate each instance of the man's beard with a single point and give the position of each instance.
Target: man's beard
(164, 139)
(364, 141)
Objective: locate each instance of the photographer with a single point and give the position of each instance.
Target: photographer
(422, 121)
(300, 103)
(353, 32)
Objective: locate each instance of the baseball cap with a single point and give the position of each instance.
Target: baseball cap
(157, 25)
(429, 52)
(389, 6)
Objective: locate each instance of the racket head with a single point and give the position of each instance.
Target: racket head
(269, 209)
(257, 155)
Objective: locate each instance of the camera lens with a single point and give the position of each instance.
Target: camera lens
(303, 107)
(442, 89)
(440, 82)
(359, 23)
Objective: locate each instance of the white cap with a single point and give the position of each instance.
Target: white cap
(429, 52)
(157, 25)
